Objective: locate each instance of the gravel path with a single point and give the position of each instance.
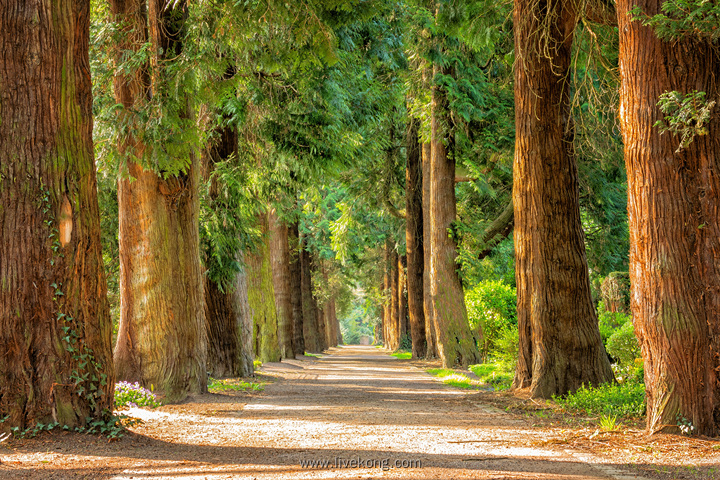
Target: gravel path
(354, 413)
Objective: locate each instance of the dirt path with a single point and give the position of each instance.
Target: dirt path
(355, 413)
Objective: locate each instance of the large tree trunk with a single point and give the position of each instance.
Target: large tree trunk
(280, 253)
(261, 296)
(414, 241)
(560, 344)
(309, 306)
(161, 336)
(296, 289)
(456, 344)
(229, 326)
(53, 295)
(430, 335)
(226, 307)
(674, 233)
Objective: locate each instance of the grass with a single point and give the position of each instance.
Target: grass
(454, 379)
(622, 400)
(402, 355)
(496, 374)
(233, 385)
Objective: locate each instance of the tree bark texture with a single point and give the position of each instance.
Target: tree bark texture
(673, 214)
(414, 241)
(560, 344)
(162, 338)
(229, 327)
(261, 296)
(430, 335)
(280, 256)
(393, 340)
(53, 305)
(456, 344)
(296, 289)
(309, 306)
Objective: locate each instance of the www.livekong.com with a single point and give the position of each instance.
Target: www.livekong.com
(358, 462)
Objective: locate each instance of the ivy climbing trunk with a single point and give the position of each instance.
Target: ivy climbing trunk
(456, 344)
(261, 296)
(162, 338)
(296, 289)
(414, 240)
(53, 293)
(309, 306)
(280, 256)
(673, 213)
(560, 344)
(430, 335)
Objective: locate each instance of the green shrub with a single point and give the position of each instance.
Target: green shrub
(491, 308)
(625, 400)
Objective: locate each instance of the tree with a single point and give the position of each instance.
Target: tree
(55, 329)
(414, 240)
(162, 334)
(456, 344)
(673, 212)
(280, 259)
(560, 344)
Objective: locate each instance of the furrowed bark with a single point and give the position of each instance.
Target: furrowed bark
(52, 285)
(673, 213)
(560, 344)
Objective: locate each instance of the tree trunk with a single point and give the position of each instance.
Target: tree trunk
(430, 335)
(456, 344)
(414, 241)
(261, 296)
(403, 324)
(309, 307)
(162, 336)
(229, 327)
(53, 295)
(673, 219)
(560, 344)
(394, 324)
(280, 253)
(296, 289)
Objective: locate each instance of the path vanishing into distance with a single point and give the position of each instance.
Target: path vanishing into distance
(355, 413)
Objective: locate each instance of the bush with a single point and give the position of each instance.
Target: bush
(133, 395)
(491, 311)
(625, 399)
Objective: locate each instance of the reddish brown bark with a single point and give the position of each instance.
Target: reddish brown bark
(673, 216)
(296, 289)
(430, 335)
(162, 334)
(280, 258)
(414, 241)
(52, 283)
(456, 344)
(560, 344)
(311, 331)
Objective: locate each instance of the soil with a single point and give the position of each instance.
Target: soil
(359, 413)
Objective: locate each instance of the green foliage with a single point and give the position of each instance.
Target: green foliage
(499, 374)
(623, 344)
(491, 309)
(134, 395)
(685, 115)
(683, 18)
(624, 400)
(454, 379)
(233, 385)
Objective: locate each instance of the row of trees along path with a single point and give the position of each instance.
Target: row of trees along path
(176, 325)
